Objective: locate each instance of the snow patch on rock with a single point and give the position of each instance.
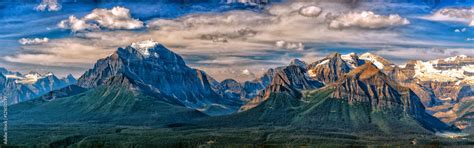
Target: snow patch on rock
(323, 62)
(372, 58)
(348, 59)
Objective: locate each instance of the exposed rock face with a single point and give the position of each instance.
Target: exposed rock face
(368, 84)
(289, 80)
(158, 71)
(253, 88)
(460, 113)
(465, 92)
(441, 84)
(329, 69)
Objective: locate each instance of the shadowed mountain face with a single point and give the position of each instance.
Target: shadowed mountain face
(158, 71)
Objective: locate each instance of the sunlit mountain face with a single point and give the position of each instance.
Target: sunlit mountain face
(192, 73)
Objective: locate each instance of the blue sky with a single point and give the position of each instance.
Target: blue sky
(224, 39)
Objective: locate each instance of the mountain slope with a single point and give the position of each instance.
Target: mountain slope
(114, 103)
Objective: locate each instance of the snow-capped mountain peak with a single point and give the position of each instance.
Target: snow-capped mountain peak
(144, 46)
(378, 61)
(349, 58)
(49, 74)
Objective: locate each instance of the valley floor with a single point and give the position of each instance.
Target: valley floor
(102, 135)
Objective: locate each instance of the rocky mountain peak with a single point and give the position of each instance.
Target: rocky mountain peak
(329, 69)
(151, 51)
(298, 62)
(365, 71)
(70, 76)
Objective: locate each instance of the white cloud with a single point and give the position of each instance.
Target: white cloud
(33, 41)
(464, 15)
(367, 19)
(49, 5)
(61, 53)
(310, 11)
(290, 45)
(422, 53)
(77, 24)
(234, 18)
(115, 18)
(246, 72)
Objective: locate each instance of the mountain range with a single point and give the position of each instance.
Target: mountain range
(146, 84)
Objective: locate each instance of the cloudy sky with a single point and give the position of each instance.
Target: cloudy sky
(230, 40)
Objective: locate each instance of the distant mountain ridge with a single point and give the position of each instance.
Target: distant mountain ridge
(18, 87)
